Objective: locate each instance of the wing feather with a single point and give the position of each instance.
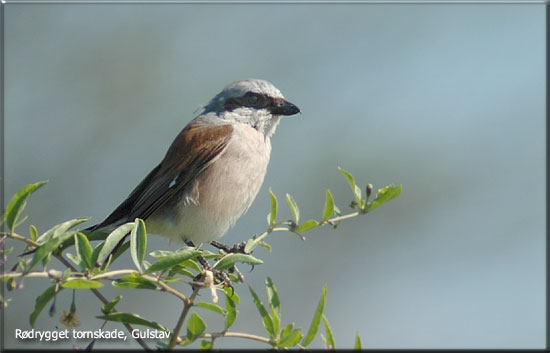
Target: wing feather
(194, 149)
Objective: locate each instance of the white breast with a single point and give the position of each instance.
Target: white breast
(226, 190)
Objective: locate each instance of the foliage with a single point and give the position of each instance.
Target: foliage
(90, 268)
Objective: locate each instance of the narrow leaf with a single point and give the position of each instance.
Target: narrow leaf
(357, 342)
(132, 319)
(384, 195)
(210, 306)
(112, 240)
(251, 244)
(195, 328)
(272, 216)
(328, 331)
(110, 306)
(231, 309)
(354, 188)
(228, 260)
(232, 294)
(60, 229)
(46, 249)
(316, 319)
(272, 295)
(274, 304)
(82, 283)
(291, 339)
(95, 254)
(138, 243)
(206, 345)
(307, 225)
(293, 208)
(133, 281)
(84, 250)
(33, 232)
(41, 302)
(175, 258)
(328, 210)
(287, 330)
(266, 319)
(18, 203)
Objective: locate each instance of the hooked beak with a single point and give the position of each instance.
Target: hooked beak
(284, 107)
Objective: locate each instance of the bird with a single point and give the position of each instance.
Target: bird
(212, 171)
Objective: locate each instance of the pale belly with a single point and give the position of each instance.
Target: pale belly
(226, 190)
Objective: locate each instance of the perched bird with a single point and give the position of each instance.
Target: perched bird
(213, 170)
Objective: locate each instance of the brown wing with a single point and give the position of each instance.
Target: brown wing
(194, 149)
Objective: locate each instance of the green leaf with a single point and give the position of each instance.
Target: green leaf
(293, 208)
(307, 225)
(82, 283)
(33, 232)
(173, 259)
(206, 345)
(265, 245)
(18, 203)
(232, 294)
(195, 328)
(354, 188)
(110, 306)
(274, 304)
(328, 331)
(291, 338)
(266, 319)
(251, 244)
(132, 319)
(84, 251)
(66, 274)
(210, 306)
(138, 243)
(272, 216)
(95, 254)
(316, 319)
(228, 260)
(328, 210)
(384, 195)
(287, 330)
(112, 240)
(60, 229)
(357, 342)
(74, 258)
(59, 235)
(231, 309)
(133, 281)
(41, 302)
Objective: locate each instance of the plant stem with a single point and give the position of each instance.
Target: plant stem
(104, 301)
(238, 335)
(187, 304)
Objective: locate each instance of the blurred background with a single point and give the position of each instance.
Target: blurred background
(446, 99)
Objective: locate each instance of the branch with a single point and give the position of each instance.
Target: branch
(104, 301)
(187, 304)
(238, 335)
(68, 265)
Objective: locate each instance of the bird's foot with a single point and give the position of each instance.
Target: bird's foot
(236, 248)
(221, 276)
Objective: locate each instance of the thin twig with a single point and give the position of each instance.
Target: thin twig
(68, 265)
(21, 238)
(104, 301)
(187, 304)
(165, 287)
(238, 335)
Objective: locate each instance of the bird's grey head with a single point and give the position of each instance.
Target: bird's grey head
(251, 101)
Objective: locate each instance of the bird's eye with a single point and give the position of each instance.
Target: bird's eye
(251, 97)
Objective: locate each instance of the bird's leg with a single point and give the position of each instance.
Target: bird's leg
(236, 248)
(220, 276)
